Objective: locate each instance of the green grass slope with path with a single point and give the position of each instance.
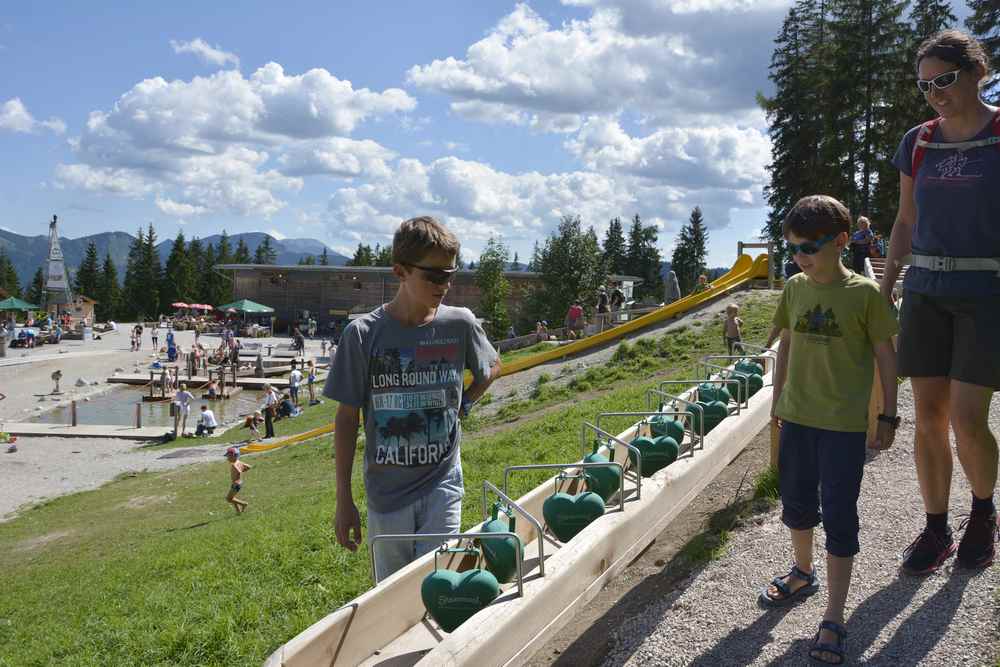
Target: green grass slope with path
(156, 569)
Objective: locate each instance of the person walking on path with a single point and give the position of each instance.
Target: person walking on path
(404, 365)
(671, 289)
(949, 205)
(154, 332)
(833, 324)
(861, 244)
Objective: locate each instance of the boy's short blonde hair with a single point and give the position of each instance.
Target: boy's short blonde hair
(732, 308)
(418, 237)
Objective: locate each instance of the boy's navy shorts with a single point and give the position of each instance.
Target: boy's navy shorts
(817, 467)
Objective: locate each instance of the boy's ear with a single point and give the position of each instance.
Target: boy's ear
(841, 240)
(399, 271)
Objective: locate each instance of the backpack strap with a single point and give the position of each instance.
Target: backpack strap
(924, 135)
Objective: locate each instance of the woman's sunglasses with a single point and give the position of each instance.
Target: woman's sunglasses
(809, 247)
(941, 81)
(436, 275)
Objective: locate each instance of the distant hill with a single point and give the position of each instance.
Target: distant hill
(30, 252)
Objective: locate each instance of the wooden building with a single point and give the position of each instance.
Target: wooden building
(333, 293)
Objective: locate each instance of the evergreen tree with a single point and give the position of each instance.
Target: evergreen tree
(109, 296)
(536, 254)
(928, 17)
(688, 260)
(196, 258)
(615, 251)
(151, 277)
(180, 280)
(307, 260)
(324, 258)
(8, 276)
(984, 24)
(265, 253)
(494, 288)
(362, 256)
(36, 292)
(224, 252)
(515, 263)
(642, 259)
(383, 256)
(88, 273)
(572, 266)
(242, 254)
(134, 287)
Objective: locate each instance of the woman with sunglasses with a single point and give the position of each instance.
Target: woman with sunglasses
(949, 208)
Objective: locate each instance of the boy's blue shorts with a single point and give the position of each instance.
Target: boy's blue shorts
(820, 467)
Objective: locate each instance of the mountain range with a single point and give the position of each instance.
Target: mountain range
(30, 252)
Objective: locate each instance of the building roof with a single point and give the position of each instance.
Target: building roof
(381, 269)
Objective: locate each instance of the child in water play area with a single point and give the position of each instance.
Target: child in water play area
(731, 329)
(236, 470)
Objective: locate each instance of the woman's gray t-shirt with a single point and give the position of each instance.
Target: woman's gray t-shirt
(408, 381)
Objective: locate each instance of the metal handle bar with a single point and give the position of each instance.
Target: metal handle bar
(737, 357)
(489, 486)
(632, 448)
(685, 417)
(447, 537)
(566, 466)
(727, 374)
(650, 393)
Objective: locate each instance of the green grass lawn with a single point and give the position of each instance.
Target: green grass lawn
(156, 569)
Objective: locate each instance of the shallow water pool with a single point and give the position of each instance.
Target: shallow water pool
(118, 407)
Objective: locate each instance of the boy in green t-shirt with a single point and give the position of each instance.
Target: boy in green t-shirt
(833, 325)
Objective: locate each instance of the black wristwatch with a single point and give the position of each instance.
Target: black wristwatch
(891, 421)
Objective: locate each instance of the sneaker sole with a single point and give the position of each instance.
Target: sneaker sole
(976, 566)
(948, 553)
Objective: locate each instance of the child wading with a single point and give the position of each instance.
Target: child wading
(833, 323)
(236, 470)
(403, 364)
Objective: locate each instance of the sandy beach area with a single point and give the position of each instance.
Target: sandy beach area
(47, 467)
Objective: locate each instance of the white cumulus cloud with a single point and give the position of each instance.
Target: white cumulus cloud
(14, 116)
(213, 55)
(229, 143)
(178, 209)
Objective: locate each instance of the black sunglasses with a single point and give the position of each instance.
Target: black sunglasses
(434, 274)
(809, 247)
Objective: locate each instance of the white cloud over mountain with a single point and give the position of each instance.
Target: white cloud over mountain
(14, 116)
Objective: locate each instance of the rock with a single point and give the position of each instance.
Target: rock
(94, 383)
(80, 382)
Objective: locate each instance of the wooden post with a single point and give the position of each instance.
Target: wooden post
(138, 415)
(72, 412)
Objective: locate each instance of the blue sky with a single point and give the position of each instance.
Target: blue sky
(337, 120)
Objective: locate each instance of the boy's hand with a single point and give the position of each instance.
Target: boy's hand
(884, 437)
(347, 526)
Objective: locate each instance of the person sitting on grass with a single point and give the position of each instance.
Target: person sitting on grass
(834, 323)
(236, 470)
(206, 423)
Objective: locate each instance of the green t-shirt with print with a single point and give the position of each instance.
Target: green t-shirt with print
(830, 358)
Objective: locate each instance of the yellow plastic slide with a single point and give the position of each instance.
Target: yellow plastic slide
(743, 270)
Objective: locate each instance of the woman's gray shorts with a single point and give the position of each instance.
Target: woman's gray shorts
(950, 337)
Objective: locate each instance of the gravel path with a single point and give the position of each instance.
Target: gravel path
(950, 618)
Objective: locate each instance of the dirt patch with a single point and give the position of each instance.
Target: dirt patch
(661, 568)
(38, 542)
(140, 502)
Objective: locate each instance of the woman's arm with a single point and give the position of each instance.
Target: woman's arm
(901, 241)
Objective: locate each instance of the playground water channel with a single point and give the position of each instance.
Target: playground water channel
(117, 407)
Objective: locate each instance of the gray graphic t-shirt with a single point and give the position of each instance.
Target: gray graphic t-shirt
(408, 382)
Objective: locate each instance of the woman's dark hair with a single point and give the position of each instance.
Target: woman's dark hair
(954, 46)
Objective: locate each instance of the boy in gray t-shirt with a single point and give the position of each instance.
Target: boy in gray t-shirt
(403, 365)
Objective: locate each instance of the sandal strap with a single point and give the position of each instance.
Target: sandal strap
(809, 578)
(835, 628)
(781, 586)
